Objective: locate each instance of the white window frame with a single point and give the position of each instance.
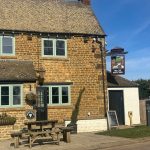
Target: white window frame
(54, 48)
(11, 95)
(60, 94)
(13, 46)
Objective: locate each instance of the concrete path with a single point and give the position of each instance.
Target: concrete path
(80, 141)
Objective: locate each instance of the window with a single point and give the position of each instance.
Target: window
(58, 95)
(7, 45)
(10, 95)
(54, 48)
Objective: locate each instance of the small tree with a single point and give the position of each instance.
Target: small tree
(144, 88)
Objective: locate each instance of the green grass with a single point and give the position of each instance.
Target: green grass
(136, 132)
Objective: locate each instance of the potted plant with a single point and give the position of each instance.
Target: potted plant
(7, 120)
(31, 98)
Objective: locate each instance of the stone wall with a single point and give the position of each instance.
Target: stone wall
(82, 67)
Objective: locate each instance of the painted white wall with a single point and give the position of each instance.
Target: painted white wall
(90, 125)
(131, 103)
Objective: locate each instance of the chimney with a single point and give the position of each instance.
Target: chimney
(86, 2)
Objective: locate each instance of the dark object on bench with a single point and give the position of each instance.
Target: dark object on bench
(16, 135)
(74, 128)
(66, 134)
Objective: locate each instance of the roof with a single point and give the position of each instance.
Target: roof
(118, 81)
(12, 70)
(53, 16)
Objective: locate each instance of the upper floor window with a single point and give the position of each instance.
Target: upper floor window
(10, 95)
(7, 45)
(54, 48)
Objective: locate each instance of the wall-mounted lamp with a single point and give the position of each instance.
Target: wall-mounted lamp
(85, 39)
(93, 49)
(40, 75)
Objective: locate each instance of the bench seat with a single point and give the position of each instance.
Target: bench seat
(16, 135)
(66, 133)
(53, 136)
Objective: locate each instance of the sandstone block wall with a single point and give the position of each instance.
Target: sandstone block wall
(82, 67)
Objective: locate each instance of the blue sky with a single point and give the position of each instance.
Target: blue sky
(127, 24)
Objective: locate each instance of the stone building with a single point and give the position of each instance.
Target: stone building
(55, 48)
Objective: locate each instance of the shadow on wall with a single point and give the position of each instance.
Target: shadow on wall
(75, 112)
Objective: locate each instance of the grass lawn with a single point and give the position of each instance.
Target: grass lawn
(136, 132)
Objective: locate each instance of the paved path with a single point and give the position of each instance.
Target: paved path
(135, 146)
(80, 141)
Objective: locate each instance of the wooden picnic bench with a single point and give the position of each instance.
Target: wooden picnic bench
(16, 135)
(52, 136)
(44, 132)
(66, 133)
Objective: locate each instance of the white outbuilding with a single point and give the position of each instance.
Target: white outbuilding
(123, 97)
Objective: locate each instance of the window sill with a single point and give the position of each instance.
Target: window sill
(60, 107)
(55, 58)
(6, 109)
(8, 57)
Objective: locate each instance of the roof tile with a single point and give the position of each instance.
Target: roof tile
(53, 16)
(12, 70)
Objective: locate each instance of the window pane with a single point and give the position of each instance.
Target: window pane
(16, 95)
(4, 100)
(16, 90)
(5, 90)
(64, 90)
(48, 47)
(60, 48)
(65, 95)
(48, 51)
(7, 43)
(48, 43)
(55, 91)
(60, 52)
(7, 49)
(60, 44)
(65, 99)
(55, 95)
(55, 99)
(46, 89)
(16, 100)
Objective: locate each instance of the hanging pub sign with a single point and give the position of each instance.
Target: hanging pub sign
(117, 61)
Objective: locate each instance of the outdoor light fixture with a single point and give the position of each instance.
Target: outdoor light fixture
(40, 75)
(85, 39)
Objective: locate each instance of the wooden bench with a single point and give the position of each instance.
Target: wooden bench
(44, 135)
(66, 134)
(16, 135)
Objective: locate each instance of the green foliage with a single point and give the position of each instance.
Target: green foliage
(144, 88)
(6, 119)
(136, 132)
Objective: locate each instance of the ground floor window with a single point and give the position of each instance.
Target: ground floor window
(58, 95)
(10, 95)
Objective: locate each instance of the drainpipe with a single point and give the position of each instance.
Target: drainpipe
(103, 74)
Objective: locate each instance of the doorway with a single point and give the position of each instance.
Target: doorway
(41, 106)
(116, 102)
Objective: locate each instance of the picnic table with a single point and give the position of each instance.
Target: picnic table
(41, 124)
(44, 132)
